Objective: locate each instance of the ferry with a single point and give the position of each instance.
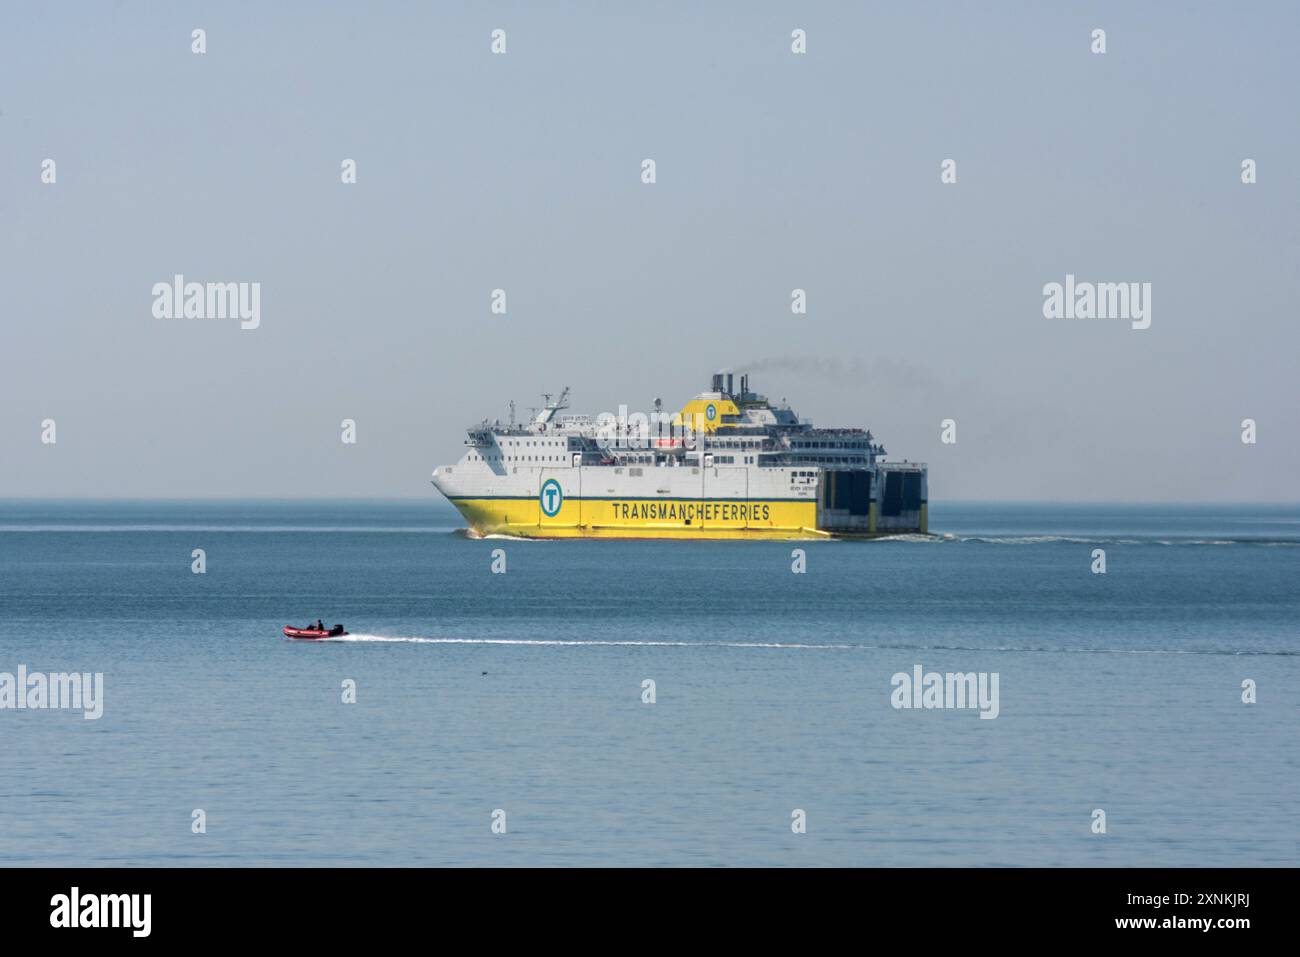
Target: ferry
(730, 464)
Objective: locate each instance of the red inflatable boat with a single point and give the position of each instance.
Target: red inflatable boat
(313, 634)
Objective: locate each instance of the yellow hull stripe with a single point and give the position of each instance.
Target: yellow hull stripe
(600, 518)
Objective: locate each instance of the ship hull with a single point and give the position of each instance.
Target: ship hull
(695, 519)
(645, 518)
(561, 500)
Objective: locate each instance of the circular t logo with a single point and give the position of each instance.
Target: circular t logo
(710, 412)
(551, 498)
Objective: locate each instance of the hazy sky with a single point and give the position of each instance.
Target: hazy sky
(522, 171)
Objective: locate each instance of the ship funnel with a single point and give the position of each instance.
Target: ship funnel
(717, 382)
(730, 384)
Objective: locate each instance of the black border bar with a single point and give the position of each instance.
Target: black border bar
(335, 906)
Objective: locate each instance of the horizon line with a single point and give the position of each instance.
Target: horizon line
(436, 500)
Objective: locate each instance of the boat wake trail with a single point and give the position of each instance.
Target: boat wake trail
(544, 642)
(799, 646)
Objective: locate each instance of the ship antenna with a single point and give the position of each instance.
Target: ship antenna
(512, 413)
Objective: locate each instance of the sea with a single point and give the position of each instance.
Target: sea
(504, 702)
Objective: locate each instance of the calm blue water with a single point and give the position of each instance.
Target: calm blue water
(522, 691)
